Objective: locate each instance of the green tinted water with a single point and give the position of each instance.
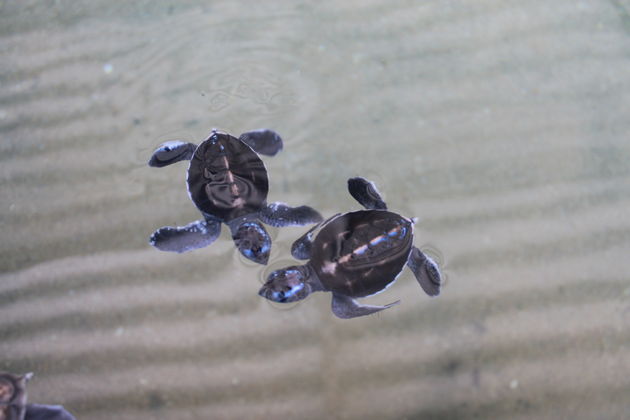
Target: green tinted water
(501, 125)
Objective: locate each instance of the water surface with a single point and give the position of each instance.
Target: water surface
(502, 125)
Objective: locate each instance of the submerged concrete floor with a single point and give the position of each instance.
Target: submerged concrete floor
(502, 125)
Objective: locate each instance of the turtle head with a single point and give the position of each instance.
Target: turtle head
(253, 241)
(13, 389)
(287, 285)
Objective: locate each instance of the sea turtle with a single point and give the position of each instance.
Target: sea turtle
(228, 183)
(13, 395)
(13, 404)
(354, 255)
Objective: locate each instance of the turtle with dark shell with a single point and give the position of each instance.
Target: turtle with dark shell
(354, 255)
(228, 183)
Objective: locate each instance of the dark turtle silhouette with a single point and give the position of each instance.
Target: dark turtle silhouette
(354, 255)
(228, 183)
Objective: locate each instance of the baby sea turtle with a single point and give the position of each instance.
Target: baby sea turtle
(13, 395)
(228, 183)
(354, 255)
(13, 404)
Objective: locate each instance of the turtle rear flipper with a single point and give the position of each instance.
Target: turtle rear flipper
(265, 142)
(171, 152)
(186, 238)
(345, 307)
(279, 214)
(366, 194)
(426, 271)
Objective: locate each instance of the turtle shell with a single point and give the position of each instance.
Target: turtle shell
(360, 253)
(226, 178)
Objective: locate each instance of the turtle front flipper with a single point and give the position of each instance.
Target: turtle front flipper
(426, 271)
(279, 215)
(301, 248)
(186, 238)
(263, 141)
(47, 412)
(171, 152)
(345, 307)
(365, 192)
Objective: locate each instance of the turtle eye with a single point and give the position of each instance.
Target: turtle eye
(279, 297)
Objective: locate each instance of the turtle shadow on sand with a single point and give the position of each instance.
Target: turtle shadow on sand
(354, 255)
(228, 183)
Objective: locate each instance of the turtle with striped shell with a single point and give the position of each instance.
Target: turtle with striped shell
(228, 183)
(354, 255)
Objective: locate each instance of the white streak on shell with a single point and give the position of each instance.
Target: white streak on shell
(329, 267)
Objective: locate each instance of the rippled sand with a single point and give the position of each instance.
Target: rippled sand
(502, 125)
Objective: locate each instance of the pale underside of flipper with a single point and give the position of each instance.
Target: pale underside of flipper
(263, 141)
(426, 271)
(280, 214)
(186, 238)
(346, 307)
